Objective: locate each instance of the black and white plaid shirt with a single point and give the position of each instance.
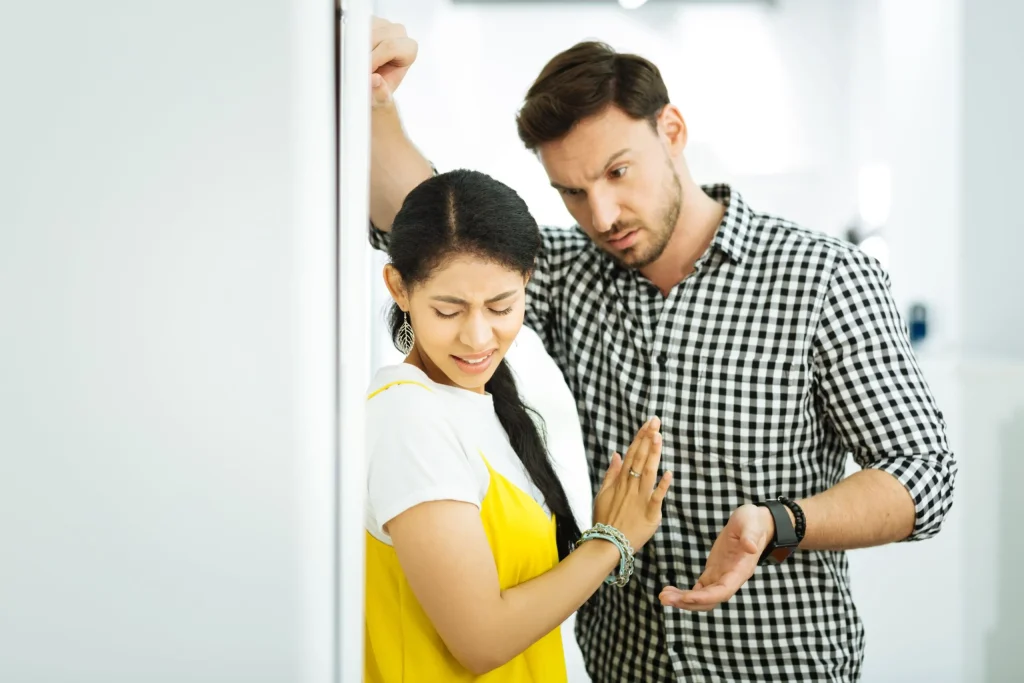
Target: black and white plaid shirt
(782, 353)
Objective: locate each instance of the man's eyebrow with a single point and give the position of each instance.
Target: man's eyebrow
(611, 160)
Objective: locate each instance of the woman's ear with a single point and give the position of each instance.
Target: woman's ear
(394, 284)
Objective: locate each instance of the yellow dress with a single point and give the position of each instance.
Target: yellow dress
(402, 645)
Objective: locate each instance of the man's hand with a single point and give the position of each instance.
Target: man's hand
(393, 54)
(396, 166)
(732, 561)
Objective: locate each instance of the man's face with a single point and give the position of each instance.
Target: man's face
(617, 180)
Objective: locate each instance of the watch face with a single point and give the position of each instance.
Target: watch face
(778, 556)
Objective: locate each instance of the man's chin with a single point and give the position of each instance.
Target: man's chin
(634, 258)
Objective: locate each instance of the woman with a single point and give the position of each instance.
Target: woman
(469, 532)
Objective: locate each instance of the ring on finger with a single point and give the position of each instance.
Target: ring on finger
(634, 473)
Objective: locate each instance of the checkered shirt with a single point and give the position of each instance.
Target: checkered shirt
(779, 355)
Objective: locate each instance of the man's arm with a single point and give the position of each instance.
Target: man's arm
(877, 401)
(396, 167)
(868, 508)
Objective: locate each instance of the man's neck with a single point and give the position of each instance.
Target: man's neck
(695, 230)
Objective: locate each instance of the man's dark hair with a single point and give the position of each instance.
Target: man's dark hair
(582, 82)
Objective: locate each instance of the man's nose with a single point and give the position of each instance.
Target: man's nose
(604, 210)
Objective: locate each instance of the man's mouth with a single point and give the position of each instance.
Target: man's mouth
(624, 239)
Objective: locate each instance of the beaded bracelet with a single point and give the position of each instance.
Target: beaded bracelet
(617, 538)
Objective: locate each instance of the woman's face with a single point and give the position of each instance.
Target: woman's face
(465, 316)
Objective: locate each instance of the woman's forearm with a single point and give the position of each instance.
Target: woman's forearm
(535, 608)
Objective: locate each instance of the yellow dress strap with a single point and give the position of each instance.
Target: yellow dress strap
(391, 384)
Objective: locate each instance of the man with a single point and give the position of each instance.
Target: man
(768, 351)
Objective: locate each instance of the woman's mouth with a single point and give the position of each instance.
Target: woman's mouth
(474, 363)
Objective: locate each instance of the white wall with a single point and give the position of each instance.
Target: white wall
(992, 234)
(907, 115)
(993, 146)
(167, 393)
(992, 434)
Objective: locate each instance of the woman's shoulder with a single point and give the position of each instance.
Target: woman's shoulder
(405, 406)
(401, 386)
(416, 448)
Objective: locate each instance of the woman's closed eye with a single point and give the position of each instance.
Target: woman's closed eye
(448, 316)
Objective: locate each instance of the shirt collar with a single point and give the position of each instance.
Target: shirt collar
(735, 233)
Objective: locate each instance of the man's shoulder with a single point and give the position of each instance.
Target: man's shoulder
(567, 247)
(775, 237)
(560, 238)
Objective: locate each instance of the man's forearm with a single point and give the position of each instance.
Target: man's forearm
(396, 167)
(868, 508)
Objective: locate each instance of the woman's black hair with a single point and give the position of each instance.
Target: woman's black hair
(469, 213)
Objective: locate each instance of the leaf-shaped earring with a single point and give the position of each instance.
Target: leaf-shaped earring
(406, 336)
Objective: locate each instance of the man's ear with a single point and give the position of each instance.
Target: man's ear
(394, 283)
(672, 127)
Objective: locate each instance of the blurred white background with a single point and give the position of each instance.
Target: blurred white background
(168, 288)
(896, 115)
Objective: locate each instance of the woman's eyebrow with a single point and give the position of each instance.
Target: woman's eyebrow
(461, 302)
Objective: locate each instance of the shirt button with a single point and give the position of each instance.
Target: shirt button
(662, 360)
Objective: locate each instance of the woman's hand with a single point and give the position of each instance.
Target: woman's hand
(628, 499)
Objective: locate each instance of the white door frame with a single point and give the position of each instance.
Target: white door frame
(353, 326)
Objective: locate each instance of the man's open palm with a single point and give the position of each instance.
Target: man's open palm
(732, 561)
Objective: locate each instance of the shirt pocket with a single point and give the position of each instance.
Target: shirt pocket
(748, 408)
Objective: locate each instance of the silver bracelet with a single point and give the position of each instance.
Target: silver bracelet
(618, 539)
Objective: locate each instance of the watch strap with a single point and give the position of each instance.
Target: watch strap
(798, 514)
(784, 540)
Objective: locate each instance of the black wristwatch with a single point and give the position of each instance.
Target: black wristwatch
(787, 535)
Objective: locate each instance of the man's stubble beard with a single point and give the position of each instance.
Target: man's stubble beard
(670, 217)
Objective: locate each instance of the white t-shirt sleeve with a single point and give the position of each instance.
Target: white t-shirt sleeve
(415, 456)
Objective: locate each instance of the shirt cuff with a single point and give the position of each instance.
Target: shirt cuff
(930, 484)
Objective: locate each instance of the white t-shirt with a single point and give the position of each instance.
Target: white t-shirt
(426, 445)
